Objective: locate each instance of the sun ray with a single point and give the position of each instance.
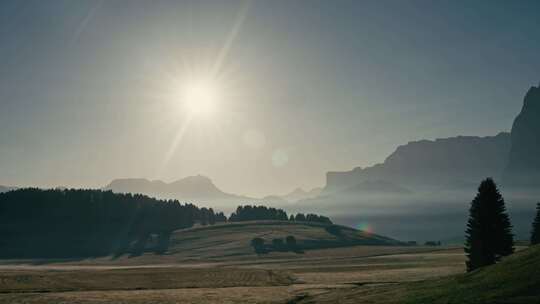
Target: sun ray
(174, 145)
(240, 18)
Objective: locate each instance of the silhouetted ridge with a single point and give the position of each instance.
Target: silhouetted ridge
(192, 187)
(437, 163)
(523, 167)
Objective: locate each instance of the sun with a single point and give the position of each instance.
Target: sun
(201, 98)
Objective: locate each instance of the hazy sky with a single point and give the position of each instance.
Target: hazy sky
(89, 90)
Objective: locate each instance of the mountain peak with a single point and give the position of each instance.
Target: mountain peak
(523, 167)
(300, 194)
(297, 191)
(198, 179)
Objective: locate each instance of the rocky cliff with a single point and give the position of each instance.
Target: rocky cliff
(523, 168)
(447, 163)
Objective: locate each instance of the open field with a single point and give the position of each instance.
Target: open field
(273, 278)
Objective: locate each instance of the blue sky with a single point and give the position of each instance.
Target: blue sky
(306, 86)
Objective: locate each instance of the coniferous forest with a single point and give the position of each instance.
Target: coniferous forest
(77, 223)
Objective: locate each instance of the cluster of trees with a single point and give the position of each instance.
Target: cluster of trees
(277, 244)
(207, 216)
(310, 217)
(252, 213)
(69, 223)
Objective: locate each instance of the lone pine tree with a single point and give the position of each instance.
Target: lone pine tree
(535, 235)
(489, 232)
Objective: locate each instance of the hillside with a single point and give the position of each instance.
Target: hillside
(514, 280)
(233, 240)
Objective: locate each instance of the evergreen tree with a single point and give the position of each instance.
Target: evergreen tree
(488, 235)
(300, 217)
(535, 236)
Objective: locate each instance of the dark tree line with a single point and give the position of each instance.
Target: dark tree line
(310, 217)
(83, 223)
(70, 223)
(253, 213)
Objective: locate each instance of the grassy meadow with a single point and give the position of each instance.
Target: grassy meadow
(216, 264)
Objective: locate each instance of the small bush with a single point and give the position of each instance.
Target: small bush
(258, 245)
(290, 241)
(278, 243)
(257, 242)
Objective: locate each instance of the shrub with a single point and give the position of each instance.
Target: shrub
(290, 241)
(257, 242)
(278, 243)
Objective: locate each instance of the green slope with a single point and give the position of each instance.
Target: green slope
(516, 279)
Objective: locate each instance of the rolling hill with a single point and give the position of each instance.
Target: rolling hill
(233, 240)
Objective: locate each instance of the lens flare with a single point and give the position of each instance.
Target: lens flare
(365, 227)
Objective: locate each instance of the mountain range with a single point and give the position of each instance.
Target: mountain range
(201, 189)
(459, 162)
(448, 164)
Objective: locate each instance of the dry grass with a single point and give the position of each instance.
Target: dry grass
(270, 280)
(138, 278)
(163, 296)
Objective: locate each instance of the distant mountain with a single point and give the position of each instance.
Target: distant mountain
(191, 187)
(6, 189)
(396, 197)
(194, 189)
(300, 194)
(428, 164)
(376, 187)
(523, 168)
